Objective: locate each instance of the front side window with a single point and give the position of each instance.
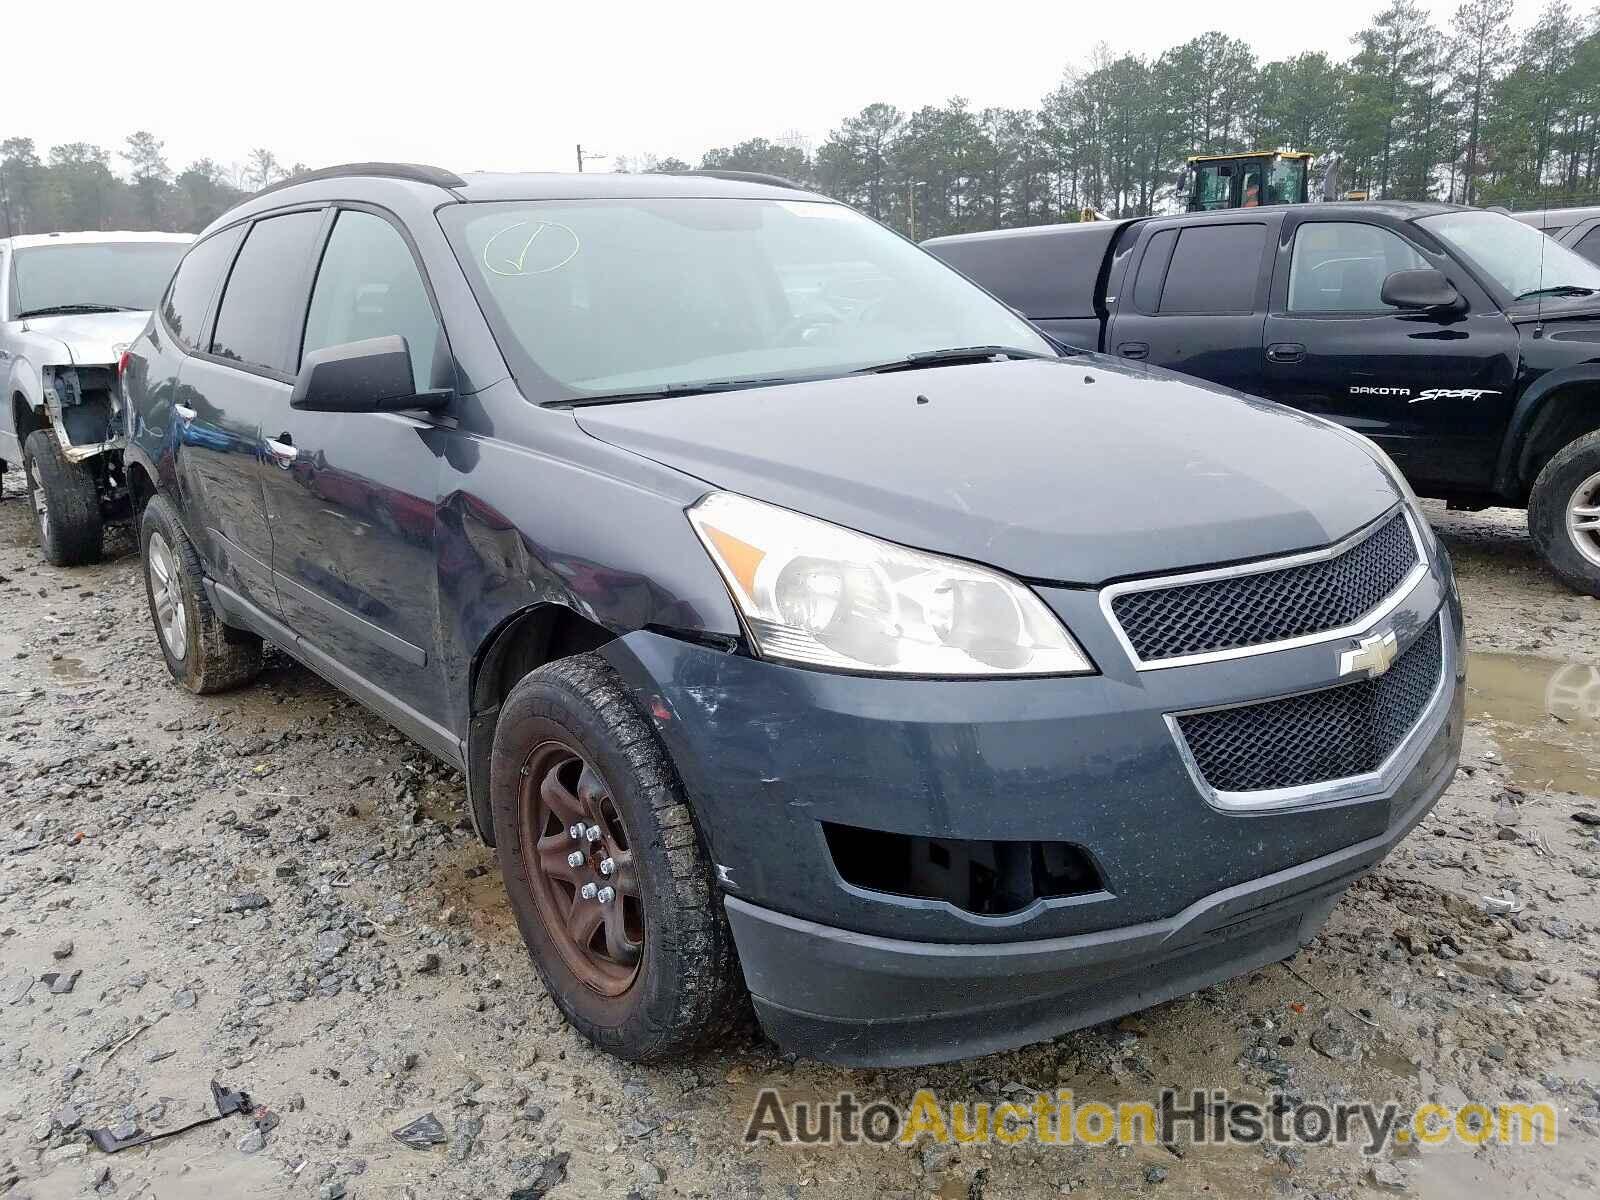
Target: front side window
(189, 297)
(264, 293)
(368, 286)
(87, 277)
(1522, 261)
(1214, 269)
(1340, 266)
(600, 297)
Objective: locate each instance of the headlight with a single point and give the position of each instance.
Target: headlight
(816, 594)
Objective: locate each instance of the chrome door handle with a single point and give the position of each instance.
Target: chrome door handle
(184, 411)
(1134, 349)
(284, 452)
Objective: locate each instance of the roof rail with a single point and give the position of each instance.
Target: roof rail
(415, 172)
(747, 177)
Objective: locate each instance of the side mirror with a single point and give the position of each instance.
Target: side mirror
(1427, 289)
(361, 377)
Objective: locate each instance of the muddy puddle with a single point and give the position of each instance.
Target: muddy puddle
(1544, 714)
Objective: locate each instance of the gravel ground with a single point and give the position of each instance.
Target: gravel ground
(274, 890)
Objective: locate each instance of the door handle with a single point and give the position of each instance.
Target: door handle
(1285, 352)
(282, 448)
(1134, 349)
(184, 411)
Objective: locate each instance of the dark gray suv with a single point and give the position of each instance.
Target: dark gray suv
(803, 620)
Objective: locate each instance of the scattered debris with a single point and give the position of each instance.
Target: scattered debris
(422, 1134)
(126, 1134)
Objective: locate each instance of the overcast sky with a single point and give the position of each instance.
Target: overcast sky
(506, 86)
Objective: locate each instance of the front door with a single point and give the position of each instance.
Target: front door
(1433, 389)
(352, 496)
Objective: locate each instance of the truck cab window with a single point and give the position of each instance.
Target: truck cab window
(1340, 266)
(1214, 269)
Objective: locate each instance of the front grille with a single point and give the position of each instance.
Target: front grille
(1268, 606)
(1317, 737)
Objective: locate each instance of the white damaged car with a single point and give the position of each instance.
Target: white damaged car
(70, 303)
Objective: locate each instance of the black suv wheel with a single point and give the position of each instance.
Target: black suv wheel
(611, 889)
(66, 506)
(202, 653)
(1564, 514)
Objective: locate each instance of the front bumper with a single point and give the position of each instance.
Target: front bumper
(1192, 892)
(858, 1000)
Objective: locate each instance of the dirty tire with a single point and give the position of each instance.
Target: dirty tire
(1575, 466)
(214, 656)
(687, 990)
(70, 532)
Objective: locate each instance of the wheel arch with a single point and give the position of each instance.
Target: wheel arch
(141, 485)
(1558, 408)
(522, 643)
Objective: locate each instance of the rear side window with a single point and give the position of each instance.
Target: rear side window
(264, 298)
(368, 286)
(1152, 269)
(1589, 245)
(1214, 269)
(189, 295)
(1340, 266)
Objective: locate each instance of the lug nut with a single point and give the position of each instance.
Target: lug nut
(592, 834)
(588, 891)
(607, 866)
(575, 832)
(606, 895)
(575, 859)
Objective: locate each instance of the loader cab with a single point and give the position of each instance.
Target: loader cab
(1218, 181)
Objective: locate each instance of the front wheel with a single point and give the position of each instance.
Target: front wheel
(605, 873)
(66, 503)
(1564, 514)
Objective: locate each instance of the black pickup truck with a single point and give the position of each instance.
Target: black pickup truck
(1464, 342)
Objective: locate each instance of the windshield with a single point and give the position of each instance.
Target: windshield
(95, 275)
(1519, 258)
(600, 297)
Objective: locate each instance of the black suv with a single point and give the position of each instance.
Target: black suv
(1463, 341)
(801, 619)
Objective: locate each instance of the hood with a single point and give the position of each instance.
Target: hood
(89, 339)
(1080, 470)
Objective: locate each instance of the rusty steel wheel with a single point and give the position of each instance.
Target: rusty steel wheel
(580, 868)
(612, 890)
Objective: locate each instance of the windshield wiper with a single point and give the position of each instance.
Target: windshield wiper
(955, 356)
(57, 310)
(1560, 289)
(676, 389)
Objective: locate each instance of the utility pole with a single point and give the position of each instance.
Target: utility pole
(585, 156)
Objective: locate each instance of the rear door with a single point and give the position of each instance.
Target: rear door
(1432, 388)
(1197, 300)
(238, 371)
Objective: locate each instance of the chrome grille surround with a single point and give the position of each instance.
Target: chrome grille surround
(1199, 580)
(1329, 791)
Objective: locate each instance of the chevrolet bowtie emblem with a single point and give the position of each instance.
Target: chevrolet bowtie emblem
(1374, 655)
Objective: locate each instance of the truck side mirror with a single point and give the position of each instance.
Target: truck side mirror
(1426, 289)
